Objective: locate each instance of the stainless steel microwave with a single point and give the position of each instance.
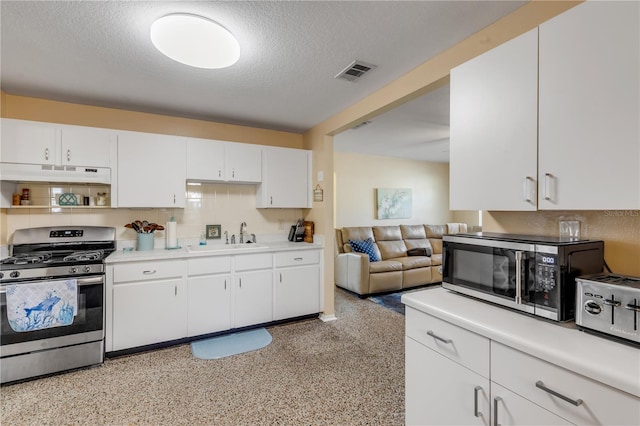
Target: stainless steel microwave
(528, 273)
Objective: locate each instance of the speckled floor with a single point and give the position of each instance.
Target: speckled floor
(345, 372)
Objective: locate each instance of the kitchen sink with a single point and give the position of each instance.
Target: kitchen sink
(224, 247)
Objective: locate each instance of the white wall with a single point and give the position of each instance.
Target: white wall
(357, 176)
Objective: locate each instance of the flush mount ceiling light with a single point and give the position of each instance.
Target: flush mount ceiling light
(195, 41)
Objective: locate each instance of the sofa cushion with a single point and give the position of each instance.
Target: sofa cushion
(436, 245)
(435, 231)
(365, 246)
(392, 249)
(385, 266)
(355, 233)
(387, 233)
(413, 262)
(436, 259)
(413, 232)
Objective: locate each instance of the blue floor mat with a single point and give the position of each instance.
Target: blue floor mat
(231, 344)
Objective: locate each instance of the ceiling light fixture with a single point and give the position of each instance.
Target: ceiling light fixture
(195, 41)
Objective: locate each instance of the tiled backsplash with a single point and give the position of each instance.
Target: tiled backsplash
(207, 204)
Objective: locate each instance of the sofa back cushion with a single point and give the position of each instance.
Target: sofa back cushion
(435, 231)
(415, 236)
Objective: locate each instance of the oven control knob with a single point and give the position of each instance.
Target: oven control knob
(1, 275)
(14, 274)
(592, 307)
(73, 270)
(86, 268)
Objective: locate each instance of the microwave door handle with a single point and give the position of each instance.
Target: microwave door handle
(518, 277)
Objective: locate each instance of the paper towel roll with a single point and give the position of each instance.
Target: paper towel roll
(171, 235)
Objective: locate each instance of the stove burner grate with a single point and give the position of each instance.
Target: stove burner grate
(84, 255)
(26, 258)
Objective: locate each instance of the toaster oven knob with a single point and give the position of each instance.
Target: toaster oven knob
(73, 270)
(633, 307)
(592, 307)
(14, 274)
(86, 268)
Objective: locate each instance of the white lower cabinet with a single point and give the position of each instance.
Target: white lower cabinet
(209, 295)
(447, 383)
(149, 304)
(440, 391)
(253, 298)
(296, 288)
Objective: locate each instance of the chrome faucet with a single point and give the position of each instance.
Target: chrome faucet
(226, 237)
(243, 229)
(233, 239)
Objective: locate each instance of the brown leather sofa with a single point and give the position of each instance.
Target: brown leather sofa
(395, 270)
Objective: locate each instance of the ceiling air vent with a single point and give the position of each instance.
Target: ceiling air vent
(355, 70)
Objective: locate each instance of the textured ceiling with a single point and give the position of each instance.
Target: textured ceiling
(99, 53)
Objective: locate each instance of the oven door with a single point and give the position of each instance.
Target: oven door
(87, 326)
(497, 271)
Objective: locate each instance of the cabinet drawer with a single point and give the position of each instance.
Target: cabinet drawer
(247, 262)
(462, 346)
(601, 404)
(145, 271)
(297, 258)
(209, 265)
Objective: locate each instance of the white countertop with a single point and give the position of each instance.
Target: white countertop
(609, 362)
(121, 255)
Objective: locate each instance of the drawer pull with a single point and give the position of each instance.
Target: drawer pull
(297, 258)
(149, 272)
(496, 400)
(435, 336)
(475, 401)
(576, 402)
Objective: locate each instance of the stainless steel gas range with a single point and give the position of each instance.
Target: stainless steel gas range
(609, 305)
(52, 300)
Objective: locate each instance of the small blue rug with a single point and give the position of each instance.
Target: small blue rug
(390, 301)
(231, 344)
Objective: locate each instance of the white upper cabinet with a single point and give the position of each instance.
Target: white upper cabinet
(589, 141)
(244, 162)
(205, 160)
(583, 73)
(493, 158)
(30, 142)
(151, 170)
(286, 179)
(218, 161)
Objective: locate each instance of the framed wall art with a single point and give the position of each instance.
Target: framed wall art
(394, 203)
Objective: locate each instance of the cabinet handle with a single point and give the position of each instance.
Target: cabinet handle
(233, 173)
(435, 336)
(149, 272)
(527, 185)
(576, 402)
(174, 198)
(225, 284)
(175, 290)
(240, 279)
(219, 173)
(475, 401)
(68, 155)
(271, 200)
(548, 186)
(496, 400)
(297, 258)
(46, 153)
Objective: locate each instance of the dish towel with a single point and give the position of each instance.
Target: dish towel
(43, 304)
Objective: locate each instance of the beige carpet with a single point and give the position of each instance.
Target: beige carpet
(345, 372)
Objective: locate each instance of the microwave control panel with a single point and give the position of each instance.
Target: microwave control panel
(546, 271)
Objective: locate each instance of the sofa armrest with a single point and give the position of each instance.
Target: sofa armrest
(352, 272)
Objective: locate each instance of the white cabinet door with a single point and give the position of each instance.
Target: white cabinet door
(149, 312)
(286, 179)
(296, 292)
(205, 160)
(512, 409)
(253, 298)
(493, 139)
(86, 146)
(441, 392)
(151, 170)
(209, 304)
(28, 142)
(243, 162)
(590, 108)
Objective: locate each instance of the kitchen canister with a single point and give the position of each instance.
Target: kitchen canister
(145, 241)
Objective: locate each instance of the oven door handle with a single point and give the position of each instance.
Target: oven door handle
(519, 277)
(80, 282)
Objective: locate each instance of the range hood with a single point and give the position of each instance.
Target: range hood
(54, 174)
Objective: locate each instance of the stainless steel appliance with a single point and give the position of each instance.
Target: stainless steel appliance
(50, 255)
(609, 305)
(528, 273)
